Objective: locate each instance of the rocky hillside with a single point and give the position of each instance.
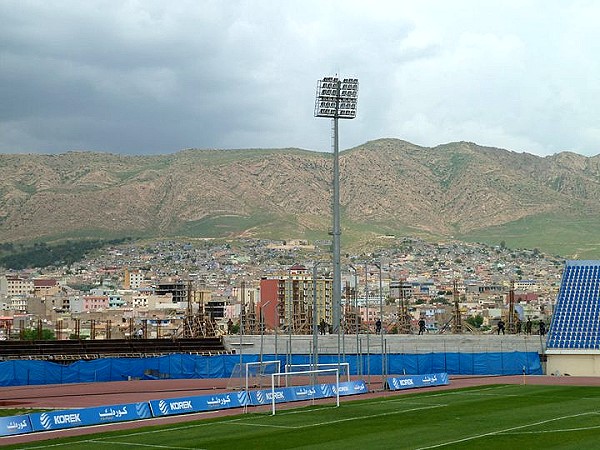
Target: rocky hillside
(387, 187)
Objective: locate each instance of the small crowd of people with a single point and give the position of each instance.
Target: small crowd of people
(501, 327)
(324, 328)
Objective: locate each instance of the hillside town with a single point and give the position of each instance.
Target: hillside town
(170, 289)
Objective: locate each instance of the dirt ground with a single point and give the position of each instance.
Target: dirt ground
(68, 396)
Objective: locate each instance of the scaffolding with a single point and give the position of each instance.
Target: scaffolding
(404, 318)
(455, 324)
(513, 323)
(352, 319)
(197, 323)
(457, 327)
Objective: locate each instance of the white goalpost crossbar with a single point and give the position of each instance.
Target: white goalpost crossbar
(307, 372)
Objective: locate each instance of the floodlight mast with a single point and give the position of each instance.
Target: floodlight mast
(336, 99)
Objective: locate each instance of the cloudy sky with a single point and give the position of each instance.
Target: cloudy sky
(149, 77)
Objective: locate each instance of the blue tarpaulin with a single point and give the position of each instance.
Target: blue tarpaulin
(180, 366)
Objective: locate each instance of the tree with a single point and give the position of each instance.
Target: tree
(32, 335)
(475, 321)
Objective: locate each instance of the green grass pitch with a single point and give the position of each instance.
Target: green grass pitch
(490, 417)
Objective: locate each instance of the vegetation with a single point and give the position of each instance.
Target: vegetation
(490, 417)
(475, 321)
(8, 412)
(553, 234)
(33, 334)
(44, 255)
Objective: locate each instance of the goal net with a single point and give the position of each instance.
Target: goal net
(253, 375)
(306, 386)
(343, 368)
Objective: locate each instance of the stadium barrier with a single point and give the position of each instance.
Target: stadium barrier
(186, 366)
(416, 381)
(62, 419)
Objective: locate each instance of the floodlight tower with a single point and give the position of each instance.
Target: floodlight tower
(336, 99)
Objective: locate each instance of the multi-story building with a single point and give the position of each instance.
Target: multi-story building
(178, 289)
(45, 287)
(89, 303)
(15, 285)
(133, 279)
(288, 300)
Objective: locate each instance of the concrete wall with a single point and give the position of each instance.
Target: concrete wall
(583, 363)
(392, 343)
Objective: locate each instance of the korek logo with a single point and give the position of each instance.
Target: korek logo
(163, 407)
(141, 409)
(45, 421)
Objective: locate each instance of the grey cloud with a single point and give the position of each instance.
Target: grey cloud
(157, 77)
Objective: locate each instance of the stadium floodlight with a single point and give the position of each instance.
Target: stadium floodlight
(336, 99)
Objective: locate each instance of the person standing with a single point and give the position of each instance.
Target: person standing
(542, 328)
(500, 326)
(528, 326)
(421, 326)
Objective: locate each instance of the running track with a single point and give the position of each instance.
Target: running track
(83, 395)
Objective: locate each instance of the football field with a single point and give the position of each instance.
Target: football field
(487, 417)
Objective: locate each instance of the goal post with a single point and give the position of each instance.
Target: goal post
(248, 375)
(257, 371)
(311, 391)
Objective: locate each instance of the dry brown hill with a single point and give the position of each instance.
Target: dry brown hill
(387, 187)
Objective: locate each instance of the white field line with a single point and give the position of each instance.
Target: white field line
(266, 425)
(347, 419)
(560, 430)
(369, 416)
(506, 430)
(139, 433)
(238, 420)
(135, 444)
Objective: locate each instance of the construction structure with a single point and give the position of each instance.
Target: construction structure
(352, 318)
(197, 323)
(513, 323)
(455, 324)
(286, 301)
(401, 292)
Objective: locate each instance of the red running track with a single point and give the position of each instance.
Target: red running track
(83, 395)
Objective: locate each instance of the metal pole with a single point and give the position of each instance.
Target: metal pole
(368, 328)
(241, 330)
(290, 310)
(337, 277)
(328, 101)
(262, 328)
(315, 341)
(262, 333)
(381, 316)
(356, 317)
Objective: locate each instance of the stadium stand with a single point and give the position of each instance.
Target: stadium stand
(575, 323)
(71, 350)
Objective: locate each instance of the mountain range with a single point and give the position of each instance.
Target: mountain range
(388, 187)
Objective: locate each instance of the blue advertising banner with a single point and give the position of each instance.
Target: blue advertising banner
(54, 420)
(15, 425)
(415, 381)
(352, 388)
(184, 405)
(298, 393)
